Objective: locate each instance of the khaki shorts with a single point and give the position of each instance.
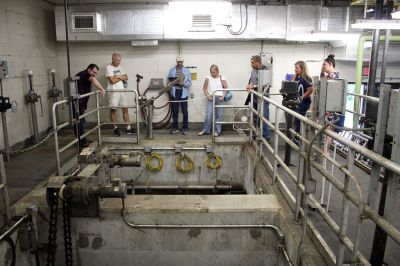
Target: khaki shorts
(117, 99)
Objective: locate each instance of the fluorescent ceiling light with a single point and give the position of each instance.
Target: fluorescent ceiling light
(141, 43)
(396, 15)
(393, 24)
(334, 35)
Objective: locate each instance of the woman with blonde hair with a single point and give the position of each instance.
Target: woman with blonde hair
(212, 83)
(304, 88)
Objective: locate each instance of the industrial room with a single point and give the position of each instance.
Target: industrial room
(199, 181)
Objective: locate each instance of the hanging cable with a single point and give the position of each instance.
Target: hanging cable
(213, 161)
(241, 30)
(151, 166)
(184, 164)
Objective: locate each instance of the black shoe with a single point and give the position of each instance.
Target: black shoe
(116, 132)
(269, 141)
(130, 131)
(174, 131)
(185, 132)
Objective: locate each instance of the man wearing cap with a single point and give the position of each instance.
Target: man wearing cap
(180, 93)
(256, 65)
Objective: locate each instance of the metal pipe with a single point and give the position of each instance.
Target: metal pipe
(136, 93)
(150, 110)
(359, 114)
(276, 145)
(213, 118)
(337, 164)
(33, 112)
(374, 99)
(5, 129)
(274, 228)
(5, 135)
(66, 36)
(98, 120)
(14, 226)
(359, 64)
(56, 135)
(373, 64)
(158, 149)
(345, 209)
(384, 56)
(225, 187)
(356, 147)
(70, 144)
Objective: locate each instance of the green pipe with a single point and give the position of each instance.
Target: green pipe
(360, 54)
(179, 48)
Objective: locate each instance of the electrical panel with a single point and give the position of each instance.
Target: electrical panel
(71, 87)
(156, 84)
(3, 69)
(333, 95)
(264, 80)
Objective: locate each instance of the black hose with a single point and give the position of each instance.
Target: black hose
(10, 242)
(163, 123)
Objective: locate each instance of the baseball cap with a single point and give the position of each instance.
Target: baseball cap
(179, 58)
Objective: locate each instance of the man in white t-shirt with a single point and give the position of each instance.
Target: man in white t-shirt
(117, 80)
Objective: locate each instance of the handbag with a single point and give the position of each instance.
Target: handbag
(228, 95)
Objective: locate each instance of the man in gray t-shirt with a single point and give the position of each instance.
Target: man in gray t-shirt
(256, 65)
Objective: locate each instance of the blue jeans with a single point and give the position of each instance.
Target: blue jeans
(82, 125)
(175, 110)
(266, 134)
(302, 109)
(218, 116)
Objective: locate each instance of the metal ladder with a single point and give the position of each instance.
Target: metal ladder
(5, 209)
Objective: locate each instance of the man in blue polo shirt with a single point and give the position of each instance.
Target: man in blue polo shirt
(180, 93)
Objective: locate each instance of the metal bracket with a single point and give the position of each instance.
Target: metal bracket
(178, 149)
(310, 185)
(209, 149)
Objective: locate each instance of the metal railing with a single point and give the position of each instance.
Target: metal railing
(302, 196)
(57, 127)
(228, 106)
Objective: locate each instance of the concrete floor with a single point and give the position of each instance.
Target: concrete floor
(27, 170)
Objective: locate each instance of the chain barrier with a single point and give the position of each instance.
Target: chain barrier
(52, 238)
(44, 140)
(67, 232)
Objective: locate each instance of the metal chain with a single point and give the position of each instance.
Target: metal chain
(51, 133)
(67, 232)
(45, 139)
(52, 238)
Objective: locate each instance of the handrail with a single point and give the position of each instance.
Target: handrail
(56, 127)
(364, 210)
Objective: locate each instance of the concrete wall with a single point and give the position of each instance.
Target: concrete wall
(233, 58)
(27, 41)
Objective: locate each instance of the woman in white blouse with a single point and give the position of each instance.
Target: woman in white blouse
(212, 83)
